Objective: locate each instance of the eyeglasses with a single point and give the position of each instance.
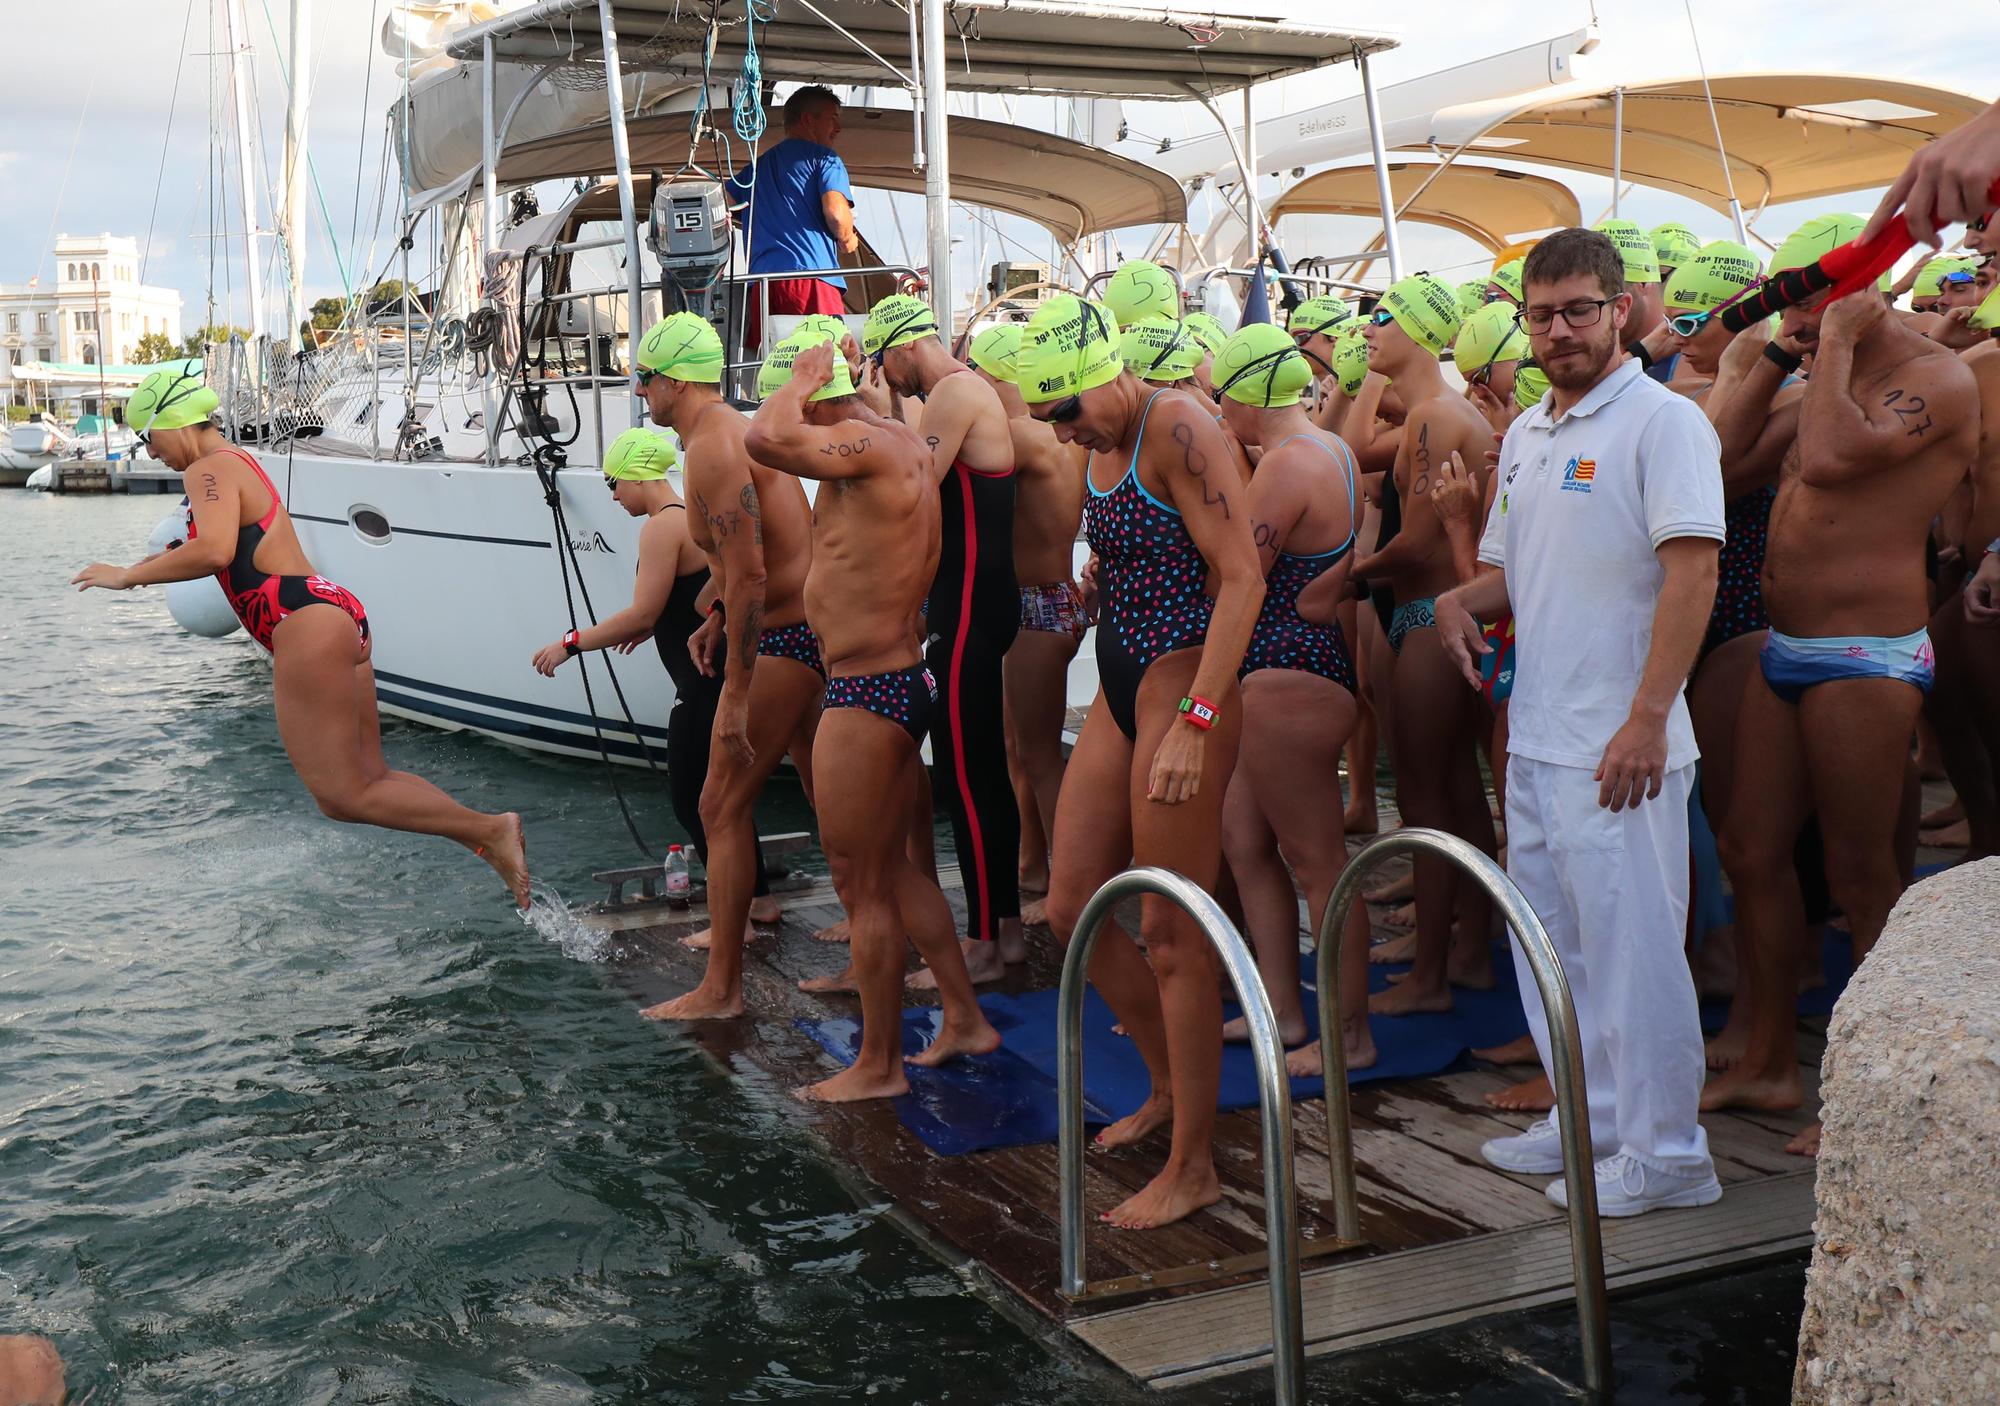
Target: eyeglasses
(1587, 313)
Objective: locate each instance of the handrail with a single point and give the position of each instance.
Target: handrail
(1274, 1096)
(1586, 1246)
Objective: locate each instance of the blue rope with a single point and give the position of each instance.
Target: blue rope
(749, 108)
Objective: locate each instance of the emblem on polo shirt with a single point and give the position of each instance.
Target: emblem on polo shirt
(1578, 475)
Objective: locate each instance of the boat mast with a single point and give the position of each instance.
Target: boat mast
(937, 170)
(292, 226)
(239, 45)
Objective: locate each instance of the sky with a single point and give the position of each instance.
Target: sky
(87, 136)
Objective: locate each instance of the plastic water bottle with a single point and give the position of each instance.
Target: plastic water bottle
(676, 872)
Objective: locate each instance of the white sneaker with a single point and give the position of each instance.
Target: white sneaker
(1628, 1187)
(1536, 1152)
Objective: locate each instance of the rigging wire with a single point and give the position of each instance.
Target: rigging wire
(1728, 178)
(361, 142)
(166, 142)
(55, 213)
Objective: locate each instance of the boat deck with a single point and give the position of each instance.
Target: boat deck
(1447, 1238)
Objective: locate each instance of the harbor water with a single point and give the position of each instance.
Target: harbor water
(296, 1112)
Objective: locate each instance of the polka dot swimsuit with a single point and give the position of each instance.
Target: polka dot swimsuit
(905, 697)
(1154, 579)
(792, 642)
(1284, 639)
(1739, 590)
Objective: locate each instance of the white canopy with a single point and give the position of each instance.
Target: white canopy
(1069, 188)
(1049, 46)
(1484, 203)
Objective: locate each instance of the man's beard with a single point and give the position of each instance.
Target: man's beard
(1580, 372)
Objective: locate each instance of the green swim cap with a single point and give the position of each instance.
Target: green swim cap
(1719, 272)
(1635, 247)
(1207, 331)
(1531, 383)
(1930, 278)
(1814, 239)
(639, 455)
(777, 367)
(1139, 290)
(1350, 358)
(994, 350)
(1160, 350)
(1070, 346)
(682, 347)
(1471, 297)
(1510, 278)
(1426, 308)
(1489, 335)
(1262, 366)
(1317, 315)
(823, 323)
(897, 320)
(171, 398)
(1986, 317)
(1674, 244)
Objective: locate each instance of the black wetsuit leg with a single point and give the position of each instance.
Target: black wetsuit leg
(690, 723)
(975, 609)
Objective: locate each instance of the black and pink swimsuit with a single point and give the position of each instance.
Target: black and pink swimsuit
(1284, 639)
(262, 601)
(906, 697)
(1155, 583)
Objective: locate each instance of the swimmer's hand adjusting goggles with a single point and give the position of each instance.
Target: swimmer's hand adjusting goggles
(1851, 267)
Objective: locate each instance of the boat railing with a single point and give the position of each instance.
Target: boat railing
(1274, 1098)
(1310, 280)
(1565, 1055)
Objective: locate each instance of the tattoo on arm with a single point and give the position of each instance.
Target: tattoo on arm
(750, 510)
(1910, 412)
(209, 492)
(1196, 463)
(746, 641)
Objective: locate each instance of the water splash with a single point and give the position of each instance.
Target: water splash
(549, 914)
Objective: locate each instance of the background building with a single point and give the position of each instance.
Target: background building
(89, 309)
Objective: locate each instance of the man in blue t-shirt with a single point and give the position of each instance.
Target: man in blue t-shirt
(798, 209)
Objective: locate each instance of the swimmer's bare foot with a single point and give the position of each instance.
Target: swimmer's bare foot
(1360, 819)
(852, 1085)
(506, 849)
(832, 932)
(1521, 1051)
(1176, 1193)
(1727, 1048)
(831, 985)
(977, 1038)
(701, 941)
(1011, 941)
(1536, 1095)
(1291, 1030)
(766, 910)
(1952, 812)
(1357, 1046)
(1403, 919)
(1118, 1030)
(1407, 998)
(702, 1003)
(1035, 912)
(1155, 1113)
(982, 963)
(1806, 1144)
(1399, 890)
(1034, 878)
(1396, 949)
(1957, 836)
(1470, 966)
(1746, 1087)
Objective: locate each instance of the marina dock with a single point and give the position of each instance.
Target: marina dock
(1446, 1239)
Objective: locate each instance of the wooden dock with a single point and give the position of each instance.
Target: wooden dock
(1448, 1239)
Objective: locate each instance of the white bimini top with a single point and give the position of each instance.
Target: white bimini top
(1584, 503)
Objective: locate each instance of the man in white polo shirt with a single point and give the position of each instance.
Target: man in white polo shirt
(1606, 528)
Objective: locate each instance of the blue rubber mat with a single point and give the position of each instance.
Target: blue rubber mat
(1007, 1099)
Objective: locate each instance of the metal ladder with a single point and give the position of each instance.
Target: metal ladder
(1274, 1097)
(1586, 1246)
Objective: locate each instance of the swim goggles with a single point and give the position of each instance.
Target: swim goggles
(1071, 406)
(1686, 324)
(898, 330)
(1269, 363)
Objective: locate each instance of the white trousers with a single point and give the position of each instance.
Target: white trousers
(1612, 891)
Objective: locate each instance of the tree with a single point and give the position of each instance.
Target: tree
(387, 289)
(155, 347)
(214, 333)
(329, 313)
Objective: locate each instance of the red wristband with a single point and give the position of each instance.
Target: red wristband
(715, 607)
(570, 644)
(1199, 711)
